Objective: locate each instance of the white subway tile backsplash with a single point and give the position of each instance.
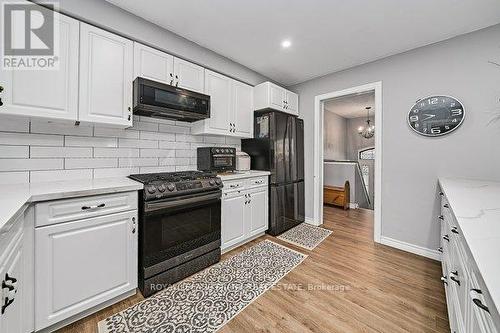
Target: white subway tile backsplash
(157, 136)
(37, 152)
(114, 172)
(90, 142)
(133, 143)
(14, 124)
(157, 152)
(116, 132)
(14, 177)
(14, 152)
(174, 129)
(21, 164)
(116, 152)
(45, 127)
(138, 162)
(90, 163)
(44, 151)
(24, 139)
(48, 176)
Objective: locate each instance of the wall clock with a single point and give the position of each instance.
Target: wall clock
(436, 115)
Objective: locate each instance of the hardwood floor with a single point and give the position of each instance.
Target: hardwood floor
(359, 286)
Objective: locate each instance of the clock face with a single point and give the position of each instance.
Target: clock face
(436, 115)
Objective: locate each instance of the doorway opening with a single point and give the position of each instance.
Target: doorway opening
(348, 151)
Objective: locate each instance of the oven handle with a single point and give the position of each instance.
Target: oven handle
(154, 206)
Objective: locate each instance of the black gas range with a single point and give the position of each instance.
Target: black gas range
(179, 226)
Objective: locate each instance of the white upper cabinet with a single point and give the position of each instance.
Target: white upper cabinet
(153, 64)
(46, 93)
(106, 75)
(231, 107)
(269, 95)
(189, 76)
(242, 98)
(162, 67)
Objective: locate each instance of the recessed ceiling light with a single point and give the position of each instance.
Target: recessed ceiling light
(286, 43)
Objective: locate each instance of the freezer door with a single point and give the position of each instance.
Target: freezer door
(286, 207)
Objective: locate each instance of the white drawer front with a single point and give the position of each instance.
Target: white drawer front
(233, 185)
(257, 181)
(57, 211)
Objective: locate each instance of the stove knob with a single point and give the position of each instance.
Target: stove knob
(218, 181)
(162, 188)
(151, 189)
(211, 182)
(217, 151)
(170, 187)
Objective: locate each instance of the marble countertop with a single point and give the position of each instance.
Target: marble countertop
(243, 174)
(13, 198)
(476, 206)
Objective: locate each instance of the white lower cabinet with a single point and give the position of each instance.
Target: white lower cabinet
(81, 264)
(16, 276)
(470, 308)
(244, 214)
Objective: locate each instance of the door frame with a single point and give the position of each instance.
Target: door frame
(319, 100)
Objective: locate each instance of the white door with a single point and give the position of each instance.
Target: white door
(83, 263)
(106, 75)
(242, 96)
(259, 211)
(233, 219)
(276, 97)
(189, 76)
(12, 275)
(292, 103)
(218, 87)
(46, 93)
(153, 64)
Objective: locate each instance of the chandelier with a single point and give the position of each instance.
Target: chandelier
(367, 131)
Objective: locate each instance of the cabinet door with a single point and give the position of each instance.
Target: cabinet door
(242, 98)
(219, 88)
(276, 97)
(83, 263)
(153, 64)
(233, 219)
(106, 75)
(292, 103)
(14, 316)
(259, 211)
(46, 93)
(189, 76)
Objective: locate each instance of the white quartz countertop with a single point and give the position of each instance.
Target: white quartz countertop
(243, 174)
(476, 206)
(13, 198)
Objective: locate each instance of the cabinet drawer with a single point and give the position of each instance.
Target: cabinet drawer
(9, 233)
(232, 185)
(57, 211)
(257, 181)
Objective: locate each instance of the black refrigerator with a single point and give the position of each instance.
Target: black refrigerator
(278, 147)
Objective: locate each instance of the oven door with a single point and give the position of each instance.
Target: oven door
(223, 162)
(178, 226)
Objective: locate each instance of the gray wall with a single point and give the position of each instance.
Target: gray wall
(113, 18)
(412, 163)
(334, 141)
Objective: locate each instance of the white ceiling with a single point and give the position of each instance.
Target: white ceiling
(326, 35)
(352, 106)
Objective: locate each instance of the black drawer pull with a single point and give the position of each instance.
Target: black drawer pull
(6, 304)
(93, 207)
(455, 280)
(7, 286)
(446, 238)
(9, 278)
(480, 304)
(446, 206)
(454, 230)
(440, 249)
(441, 217)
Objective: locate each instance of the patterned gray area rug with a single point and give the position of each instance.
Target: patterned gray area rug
(207, 300)
(305, 235)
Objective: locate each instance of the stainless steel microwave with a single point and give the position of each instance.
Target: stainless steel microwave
(160, 100)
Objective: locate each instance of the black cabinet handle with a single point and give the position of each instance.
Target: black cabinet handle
(440, 249)
(444, 280)
(446, 238)
(93, 207)
(441, 193)
(455, 280)
(441, 217)
(454, 230)
(446, 206)
(1, 103)
(480, 304)
(6, 304)
(7, 286)
(9, 278)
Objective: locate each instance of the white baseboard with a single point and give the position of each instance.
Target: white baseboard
(412, 248)
(310, 220)
(353, 205)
